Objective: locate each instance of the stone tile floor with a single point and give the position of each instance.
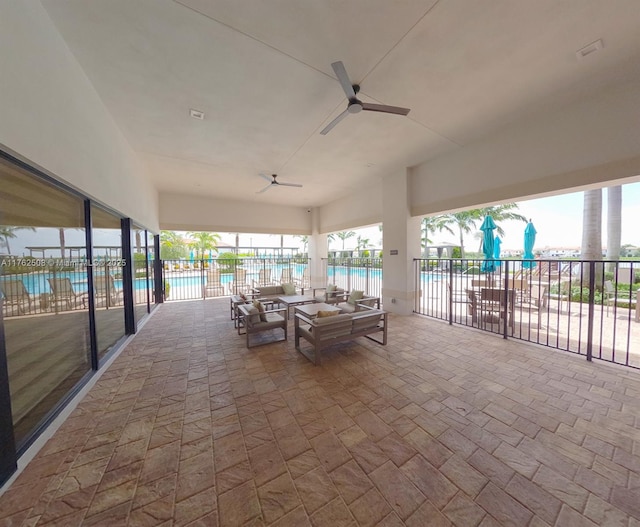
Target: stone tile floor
(443, 426)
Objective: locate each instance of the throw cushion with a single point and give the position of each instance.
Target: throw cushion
(322, 314)
(331, 288)
(243, 296)
(254, 314)
(258, 305)
(289, 289)
(355, 296)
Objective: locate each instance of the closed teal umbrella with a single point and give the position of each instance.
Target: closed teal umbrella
(496, 247)
(488, 226)
(529, 242)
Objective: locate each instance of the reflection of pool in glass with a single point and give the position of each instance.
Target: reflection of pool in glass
(37, 283)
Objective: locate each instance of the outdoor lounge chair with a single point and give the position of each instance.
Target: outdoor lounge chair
(303, 282)
(285, 276)
(239, 284)
(610, 296)
(15, 294)
(104, 287)
(63, 291)
(214, 286)
(264, 278)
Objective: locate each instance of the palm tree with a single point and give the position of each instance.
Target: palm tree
(465, 221)
(432, 224)
(614, 224)
(62, 242)
(502, 213)
(6, 233)
(330, 237)
(172, 245)
(204, 241)
(344, 235)
(591, 229)
(10, 232)
(361, 243)
(304, 240)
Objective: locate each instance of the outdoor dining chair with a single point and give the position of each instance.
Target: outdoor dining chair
(492, 304)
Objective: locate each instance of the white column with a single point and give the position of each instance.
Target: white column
(401, 244)
(318, 250)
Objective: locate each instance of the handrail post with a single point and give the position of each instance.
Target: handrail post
(507, 306)
(592, 294)
(451, 291)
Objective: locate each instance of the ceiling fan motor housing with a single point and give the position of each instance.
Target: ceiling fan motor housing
(355, 106)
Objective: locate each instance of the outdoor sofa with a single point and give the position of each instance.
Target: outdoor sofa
(322, 332)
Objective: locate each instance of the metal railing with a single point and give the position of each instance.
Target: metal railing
(591, 308)
(202, 278)
(364, 274)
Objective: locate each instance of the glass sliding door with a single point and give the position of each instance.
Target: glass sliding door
(107, 278)
(43, 294)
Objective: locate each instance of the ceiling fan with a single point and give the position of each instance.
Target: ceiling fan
(355, 105)
(275, 183)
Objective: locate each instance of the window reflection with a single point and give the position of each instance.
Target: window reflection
(107, 278)
(140, 271)
(43, 294)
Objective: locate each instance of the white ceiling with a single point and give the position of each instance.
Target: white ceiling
(261, 72)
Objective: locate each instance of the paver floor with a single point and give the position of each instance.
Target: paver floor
(443, 426)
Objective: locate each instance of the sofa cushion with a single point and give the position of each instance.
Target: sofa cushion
(331, 288)
(289, 289)
(258, 305)
(323, 314)
(252, 312)
(271, 290)
(355, 296)
(335, 326)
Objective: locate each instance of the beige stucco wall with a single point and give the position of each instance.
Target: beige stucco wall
(193, 213)
(587, 143)
(355, 210)
(51, 116)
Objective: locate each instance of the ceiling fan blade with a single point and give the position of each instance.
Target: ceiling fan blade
(341, 73)
(328, 128)
(384, 108)
(264, 176)
(265, 188)
(289, 184)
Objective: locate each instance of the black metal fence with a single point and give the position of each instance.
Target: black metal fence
(364, 274)
(203, 278)
(591, 308)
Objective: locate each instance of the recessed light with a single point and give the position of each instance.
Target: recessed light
(589, 49)
(196, 114)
